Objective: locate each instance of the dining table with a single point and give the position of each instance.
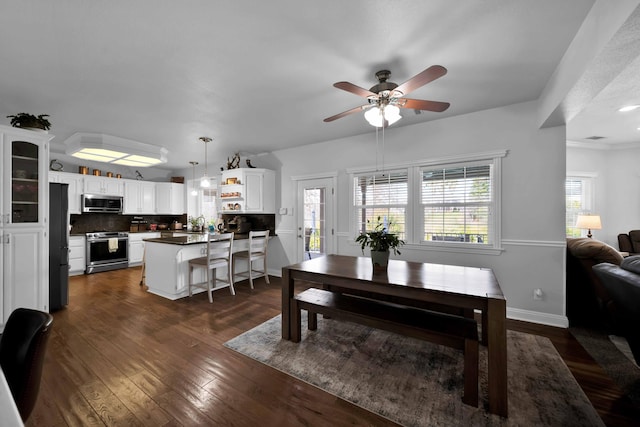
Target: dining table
(468, 289)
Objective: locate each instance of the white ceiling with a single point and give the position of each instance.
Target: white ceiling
(256, 76)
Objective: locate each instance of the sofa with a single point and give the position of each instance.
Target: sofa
(630, 242)
(588, 302)
(622, 283)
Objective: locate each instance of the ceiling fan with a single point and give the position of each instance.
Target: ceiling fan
(386, 98)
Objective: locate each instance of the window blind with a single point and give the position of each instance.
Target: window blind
(456, 203)
(381, 195)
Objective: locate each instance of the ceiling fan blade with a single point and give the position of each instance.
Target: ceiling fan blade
(421, 79)
(345, 113)
(350, 87)
(420, 104)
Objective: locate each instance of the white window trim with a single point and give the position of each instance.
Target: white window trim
(414, 219)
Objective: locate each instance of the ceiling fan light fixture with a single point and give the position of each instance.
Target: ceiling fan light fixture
(377, 115)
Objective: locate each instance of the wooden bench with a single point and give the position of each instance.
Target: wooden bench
(441, 328)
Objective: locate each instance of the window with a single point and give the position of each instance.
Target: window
(381, 195)
(579, 200)
(451, 203)
(456, 203)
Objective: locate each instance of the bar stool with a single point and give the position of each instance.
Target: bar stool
(219, 250)
(258, 241)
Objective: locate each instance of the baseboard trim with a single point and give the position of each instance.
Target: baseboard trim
(538, 317)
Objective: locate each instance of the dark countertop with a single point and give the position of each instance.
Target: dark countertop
(191, 239)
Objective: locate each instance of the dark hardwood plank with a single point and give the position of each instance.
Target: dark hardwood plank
(121, 356)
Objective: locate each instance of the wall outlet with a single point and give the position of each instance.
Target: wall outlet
(282, 211)
(537, 294)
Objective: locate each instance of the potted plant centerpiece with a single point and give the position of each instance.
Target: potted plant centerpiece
(380, 241)
(29, 121)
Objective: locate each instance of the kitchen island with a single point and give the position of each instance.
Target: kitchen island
(167, 262)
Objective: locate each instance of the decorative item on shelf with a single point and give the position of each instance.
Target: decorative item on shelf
(109, 174)
(97, 172)
(231, 181)
(20, 174)
(55, 165)
(84, 170)
(380, 241)
(118, 176)
(589, 222)
(139, 176)
(234, 163)
(29, 121)
(249, 165)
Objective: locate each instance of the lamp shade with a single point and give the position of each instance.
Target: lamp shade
(589, 222)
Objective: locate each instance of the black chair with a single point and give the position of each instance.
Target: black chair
(22, 348)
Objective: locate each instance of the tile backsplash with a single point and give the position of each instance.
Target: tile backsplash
(87, 223)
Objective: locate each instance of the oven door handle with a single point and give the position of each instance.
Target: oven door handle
(106, 239)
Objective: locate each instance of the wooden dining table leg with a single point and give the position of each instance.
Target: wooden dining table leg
(287, 296)
(497, 356)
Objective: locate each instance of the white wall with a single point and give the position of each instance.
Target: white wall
(617, 186)
(532, 196)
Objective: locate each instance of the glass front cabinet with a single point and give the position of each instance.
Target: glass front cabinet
(24, 201)
(24, 177)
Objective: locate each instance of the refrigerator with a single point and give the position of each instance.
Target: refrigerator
(58, 246)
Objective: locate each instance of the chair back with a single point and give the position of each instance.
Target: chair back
(220, 247)
(258, 241)
(22, 349)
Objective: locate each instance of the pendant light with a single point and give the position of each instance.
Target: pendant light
(204, 181)
(194, 192)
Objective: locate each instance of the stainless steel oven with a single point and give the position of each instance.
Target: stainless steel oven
(107, 250)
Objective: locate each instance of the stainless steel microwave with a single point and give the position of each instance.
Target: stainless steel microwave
(101, 203)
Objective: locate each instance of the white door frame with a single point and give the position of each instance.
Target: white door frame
(330, 178)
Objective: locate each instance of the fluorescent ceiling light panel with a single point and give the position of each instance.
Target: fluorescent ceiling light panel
(112, 149)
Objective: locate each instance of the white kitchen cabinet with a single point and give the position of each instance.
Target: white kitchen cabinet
(169, 198)
(247, 190)
(139, 197)
(24, 201)
(75, 181)
(136, 246)
(103, 185)
(77, 255)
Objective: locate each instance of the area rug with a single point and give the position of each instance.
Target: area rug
(416, 383)
(614, 356)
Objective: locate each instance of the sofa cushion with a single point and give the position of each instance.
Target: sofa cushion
(586, 248)
(631, 263)
(634, 236)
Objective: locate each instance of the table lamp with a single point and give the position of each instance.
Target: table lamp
(589, 222)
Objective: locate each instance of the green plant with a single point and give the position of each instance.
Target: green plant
(196, 221)
(23, 120)
(379, 239)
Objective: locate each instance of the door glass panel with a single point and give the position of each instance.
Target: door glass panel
(24, 182)
(314, 222)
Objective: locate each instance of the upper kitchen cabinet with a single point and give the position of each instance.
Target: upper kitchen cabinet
(103, 185)
(75, 188)
(139, 197)
(247, 190)
(170, 198)
(23, 178)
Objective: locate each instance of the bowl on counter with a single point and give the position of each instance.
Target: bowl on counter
(163, 226)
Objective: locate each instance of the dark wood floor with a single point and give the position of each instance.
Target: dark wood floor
(121, 356)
